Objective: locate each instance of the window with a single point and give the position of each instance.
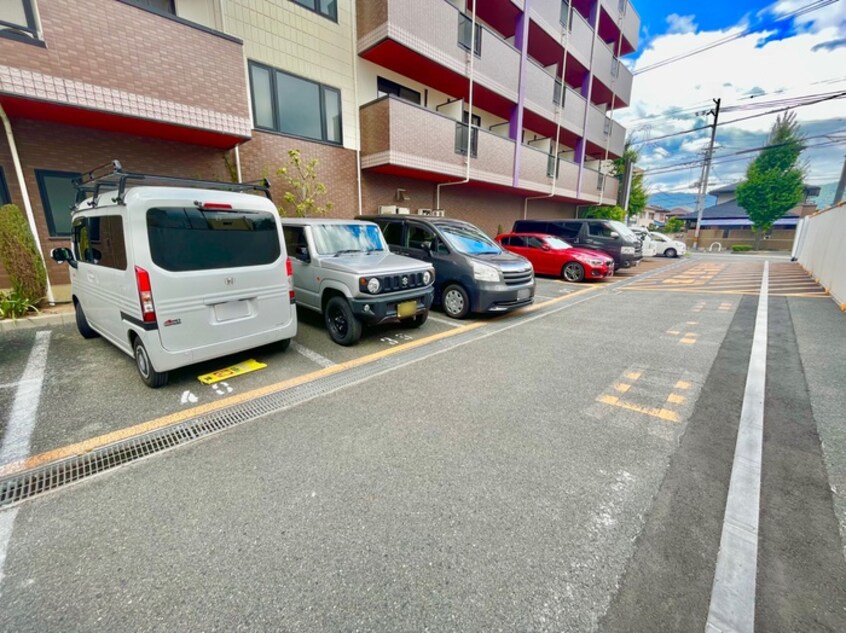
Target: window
(295, 106)
(558, 97)
(326, 8)
(99, 241)
(17, 20)
(565, 12)
(58, 195)
(392, 232)
(600, 182)
(515, 240)
(183, 238)
(159, 6)
(571, 230)
(606, 126)
(465, 31)
(5, 198)
(417, 234)
(615, 67)
(388, 87)
(534, 242)
(467, 239)
(294, 238)
(337, 239)
(461, 135)
(552, 166)
(599, 229)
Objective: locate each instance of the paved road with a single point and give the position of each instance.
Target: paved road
(563, 470)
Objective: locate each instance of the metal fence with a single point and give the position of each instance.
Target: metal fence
(820, 248)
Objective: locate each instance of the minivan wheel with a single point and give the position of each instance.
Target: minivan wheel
(573, 271)
(82, 323)
(418, 320)
(344, 327)
(455, 301)
(149, 375)
(670, 252)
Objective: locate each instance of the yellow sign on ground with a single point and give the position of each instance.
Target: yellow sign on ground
(230, 372)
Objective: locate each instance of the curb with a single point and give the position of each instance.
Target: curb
(42, 320)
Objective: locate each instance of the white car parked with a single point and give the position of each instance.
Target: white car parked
(179, 274)
(645, 239)
(667, 246)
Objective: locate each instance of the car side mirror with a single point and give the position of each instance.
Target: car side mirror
(546, 247)
(63, 255)
(614, 234)
(302, 254)
(426, 246)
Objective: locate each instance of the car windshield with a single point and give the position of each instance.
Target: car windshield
(557, 243)
(658, 237)
(622, 229)
(467, 239)
(355, 237)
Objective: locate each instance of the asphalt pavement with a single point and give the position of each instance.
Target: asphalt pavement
(561, 470)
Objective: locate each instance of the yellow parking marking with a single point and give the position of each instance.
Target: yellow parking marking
(688, 340)
(633, 375)
(231, 372)
(691, 322)
(673, 332)
(676, 398)
(682, 384)
(622, 387)
(94, 443)
(663, 414)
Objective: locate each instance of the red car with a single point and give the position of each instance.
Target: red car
(551, 255)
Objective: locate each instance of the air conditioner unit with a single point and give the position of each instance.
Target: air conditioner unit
(392, 209)
(438, 213)
(424, 212)
(403, 211)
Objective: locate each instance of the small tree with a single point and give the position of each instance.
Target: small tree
(607, 212)
(774, 182)
(674, 225)
(19, 256)
(638, 197)
(302, 187)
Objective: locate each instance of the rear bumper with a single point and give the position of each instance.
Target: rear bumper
(501, 297)
(376, 310)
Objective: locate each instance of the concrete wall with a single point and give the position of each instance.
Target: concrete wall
(821, 251)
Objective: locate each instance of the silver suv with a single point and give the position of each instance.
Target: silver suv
(344, 270)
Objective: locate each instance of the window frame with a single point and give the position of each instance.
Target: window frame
(478, 43)
(148, 7)
(46, 206)
(17, 32)
(5, 195)
(332, 18)
(85, 224)
(322, 89)
(388, 83)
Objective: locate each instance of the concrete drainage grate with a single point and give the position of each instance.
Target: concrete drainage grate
(21, 486)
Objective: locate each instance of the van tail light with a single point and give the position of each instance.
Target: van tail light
(216, 206)
(145, 294)
(289, 269)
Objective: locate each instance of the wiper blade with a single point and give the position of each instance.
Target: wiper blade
(347, 251)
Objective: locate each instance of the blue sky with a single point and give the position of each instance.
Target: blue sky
(786, 60)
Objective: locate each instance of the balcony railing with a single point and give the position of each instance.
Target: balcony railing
(609, 70)
(421, 26)
(396, 132)
(630, 21)
(604, 132)
(542, 93)
(602, 186)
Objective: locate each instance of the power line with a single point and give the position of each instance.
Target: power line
(819, 4)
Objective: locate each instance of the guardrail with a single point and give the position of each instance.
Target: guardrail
(819, 249)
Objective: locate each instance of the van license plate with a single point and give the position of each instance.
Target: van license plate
(406, 309)
(524, 293)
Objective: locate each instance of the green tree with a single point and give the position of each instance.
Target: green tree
(19, 256)
(774, 181)
(607, 212)
(638, 197)
(302, 188)
(674, 225)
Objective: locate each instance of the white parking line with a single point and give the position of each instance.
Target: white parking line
(311, 355)
(733, 593)
(7, 520)
(446, 321)
(21, 420)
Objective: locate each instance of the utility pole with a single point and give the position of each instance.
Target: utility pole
(706, 169)
(838, 193)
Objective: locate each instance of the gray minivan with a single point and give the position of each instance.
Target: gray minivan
(472, 272)
(611, 236)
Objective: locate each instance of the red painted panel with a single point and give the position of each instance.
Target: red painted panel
(18, 107)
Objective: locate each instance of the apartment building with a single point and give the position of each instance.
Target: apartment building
(384, 93)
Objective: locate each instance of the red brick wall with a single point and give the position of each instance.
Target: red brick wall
(43, 145)
(486, 208)
(336, 169)
(112, 44)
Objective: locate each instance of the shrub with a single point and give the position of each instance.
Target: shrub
(740, 248)
(14, 304)
(19, 256)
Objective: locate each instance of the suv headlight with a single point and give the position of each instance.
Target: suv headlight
(374, 285)
(483, 272)
(427, 277)
(627, 250)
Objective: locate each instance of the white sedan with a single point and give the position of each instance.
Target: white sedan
(666, 246)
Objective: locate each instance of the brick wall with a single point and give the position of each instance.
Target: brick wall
(114, 45)
(486, 208)
(43, 145)
(267, 152)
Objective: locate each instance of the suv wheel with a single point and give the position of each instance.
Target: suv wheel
(670, 252)
(343, 326)
(455, 301)
(82, 323)
(573, 271)
(149, 375)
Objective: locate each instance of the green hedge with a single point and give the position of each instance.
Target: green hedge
(741, 248)
(19, 256)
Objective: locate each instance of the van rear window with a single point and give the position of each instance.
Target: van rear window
(188, 238)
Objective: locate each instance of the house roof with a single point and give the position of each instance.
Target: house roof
(810, 190)
(727, 210)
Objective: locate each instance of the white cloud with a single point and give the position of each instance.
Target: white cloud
(681, 23)
(665, 100)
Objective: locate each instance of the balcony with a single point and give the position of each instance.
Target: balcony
(603, 132)
(612, 74)
(401, 138)
(180, 81)
(598, 187)
(622, 13)
(420, 39)
(542, 90)
(548, 23)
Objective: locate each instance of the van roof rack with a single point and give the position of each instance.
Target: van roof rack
(112, 176)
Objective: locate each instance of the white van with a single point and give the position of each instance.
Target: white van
(178, 274)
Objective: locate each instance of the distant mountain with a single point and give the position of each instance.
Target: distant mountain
(673, 200)
(826, 197)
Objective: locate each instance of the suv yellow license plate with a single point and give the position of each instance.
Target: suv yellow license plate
(406, 309)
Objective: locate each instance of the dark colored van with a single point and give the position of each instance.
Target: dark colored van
(472, 272)
(613, 237)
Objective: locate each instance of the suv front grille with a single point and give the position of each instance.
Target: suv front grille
(405, 281)
(517, 278)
